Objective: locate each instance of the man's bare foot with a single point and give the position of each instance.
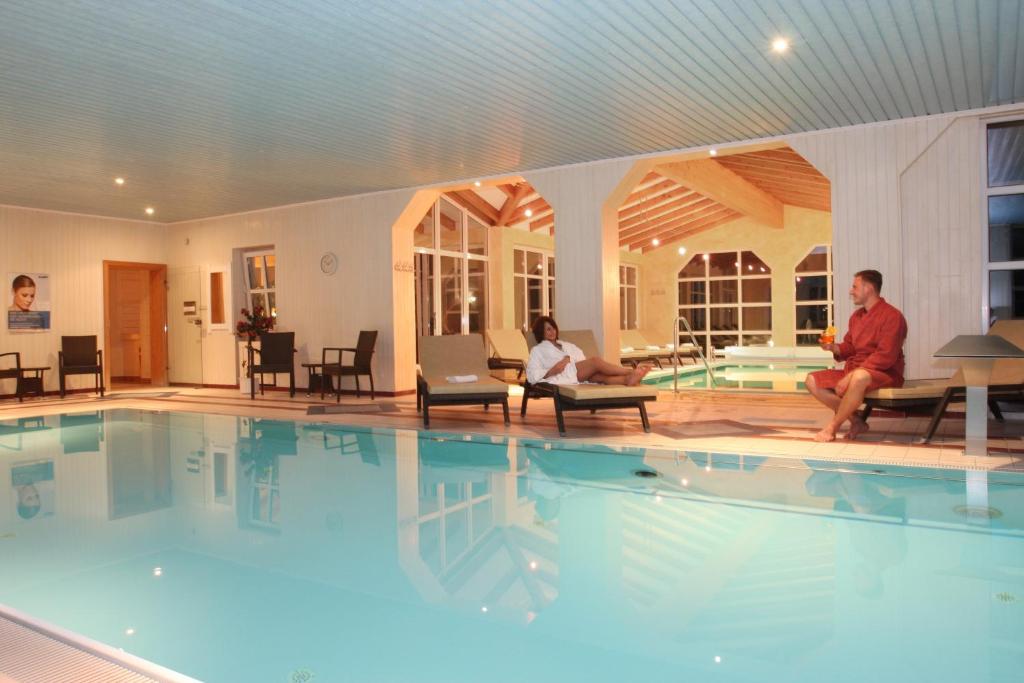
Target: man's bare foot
(826, 434)
(638, 374)
(857, 427)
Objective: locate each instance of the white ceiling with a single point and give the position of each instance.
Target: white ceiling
(212, 107)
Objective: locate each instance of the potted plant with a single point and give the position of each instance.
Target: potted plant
(248, 329)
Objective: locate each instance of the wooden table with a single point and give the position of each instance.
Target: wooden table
(317, 370)
(31, 383)
(978, 353)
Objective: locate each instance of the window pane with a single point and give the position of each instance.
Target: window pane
(757, 318)
(477, 296)
(477, 237)
(519, 261)
(692, 293)
(756, 339)
(752, 265)
(451, 295)
(258, 300)
(551, 266)
(424, 293)
(520, 296)
(695, 268)
(723, 264)
(807, 339)
(811, 288)
(630, 275)
(551, 298)
(451, 226)
(632, 315)
(534, 263)
(811, 317)
(423, 235)
(757, 291)
(623, 318)
(724, 319)
(697, 318)
(271, 279)
(1006, 153)
(254, 264)
(724, 291)
(1006, 294)
(815, 262)
(272, 303)
(1006, 228)
(719, 341)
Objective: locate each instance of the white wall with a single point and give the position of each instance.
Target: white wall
(71, 248)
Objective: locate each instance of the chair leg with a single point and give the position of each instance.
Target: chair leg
(291, 384)
(559, 417)
(252, 385)
(323, 383)
(487, 407)
(504, 411)
(419, 398)
(373, 391)
(63, 389)
(261, 383)
(866, 413)
(993, 405)
(940, 410)
(99, 378)
(426, 411)
(522, 406)
(643, 417)
(359, 391)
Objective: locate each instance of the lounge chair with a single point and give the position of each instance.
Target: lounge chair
(1006, 384)
(637, 348)
(592, 397)
(79, 356)
(510, 351)
(448, 356)
(277, 356)
(362, 358)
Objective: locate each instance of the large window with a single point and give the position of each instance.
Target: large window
(629, 316)
(261, 279)
(727, 299)
(813, 295)
(533, 280)
(451, 271)
(1004, 194)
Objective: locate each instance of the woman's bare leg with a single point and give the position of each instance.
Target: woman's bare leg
(601, 371)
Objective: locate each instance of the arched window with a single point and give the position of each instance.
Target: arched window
(813, 295)
(727, 299)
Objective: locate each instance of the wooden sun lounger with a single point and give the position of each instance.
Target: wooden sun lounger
(450, 355)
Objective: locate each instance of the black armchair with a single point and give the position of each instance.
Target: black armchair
(277, 356)
(13, 372)
(361, 364)
(80, 356)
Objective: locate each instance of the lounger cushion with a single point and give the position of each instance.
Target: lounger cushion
(599, 392)
(439, 386)
(914, 389)
(509, 344)
(453, 354)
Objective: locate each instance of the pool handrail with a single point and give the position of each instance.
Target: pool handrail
(675, 353)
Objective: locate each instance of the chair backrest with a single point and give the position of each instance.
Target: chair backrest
(453, 354)
(509, 344)
(1008, 370)
(79, 350)
(632, 338)
(364, 349)
(276, 348)
(582, 338)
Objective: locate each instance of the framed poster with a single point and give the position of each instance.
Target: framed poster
(28, 308)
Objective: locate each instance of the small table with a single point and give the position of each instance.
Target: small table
(317, 370)
(31, 383)
(979, 353)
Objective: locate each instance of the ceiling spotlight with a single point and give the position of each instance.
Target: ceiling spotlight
(750, 267)
(713, 152)
(706, 257)
(119, 181)
(780, 45)
(682, 251)
(150, 210)
(655, 242)
(528, 212)
(477, 183)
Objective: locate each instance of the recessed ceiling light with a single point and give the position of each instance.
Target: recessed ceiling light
(655, 241)
(682, 251)
(780, 45)
(713, 152)
(706, 257)
(529, 212)
(477, 183)
(150, 210)
(119, 181)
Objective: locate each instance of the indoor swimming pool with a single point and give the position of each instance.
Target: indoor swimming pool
(779, 377)
(240, 549)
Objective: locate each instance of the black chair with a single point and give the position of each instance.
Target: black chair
(363, 355)
(13, 373)
(79, 356)
(277, 356)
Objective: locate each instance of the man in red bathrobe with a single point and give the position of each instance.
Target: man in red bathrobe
(873, 352)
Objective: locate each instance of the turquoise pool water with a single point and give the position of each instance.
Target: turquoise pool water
(780, 377)
(244, 550)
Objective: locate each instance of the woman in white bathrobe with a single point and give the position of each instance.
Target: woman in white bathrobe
(556, 361)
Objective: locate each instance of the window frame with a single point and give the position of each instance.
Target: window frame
(262, 252)
(625, 290)
(546, 278)
(830, 290)
(987, 266)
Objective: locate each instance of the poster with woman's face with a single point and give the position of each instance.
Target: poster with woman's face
(28, 297)
(34, 489)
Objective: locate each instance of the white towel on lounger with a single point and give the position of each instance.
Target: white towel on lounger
(461, 379)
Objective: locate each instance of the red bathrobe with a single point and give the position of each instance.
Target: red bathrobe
(874, 341)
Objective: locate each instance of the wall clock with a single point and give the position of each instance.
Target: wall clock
(328, 263)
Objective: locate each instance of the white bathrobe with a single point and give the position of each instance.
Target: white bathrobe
(545, 355)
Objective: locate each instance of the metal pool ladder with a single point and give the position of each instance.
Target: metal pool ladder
(675, 354)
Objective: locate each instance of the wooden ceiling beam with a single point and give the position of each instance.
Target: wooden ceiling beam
(668, 211)
(693, 229)
(646, 193)
(546, 222)
(522, 189)
(675, 192)
(508, 188)
(535, 207)
(475, 204)
(711, 210)
(712, 179)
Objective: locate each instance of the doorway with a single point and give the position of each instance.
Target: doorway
(134, 324)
